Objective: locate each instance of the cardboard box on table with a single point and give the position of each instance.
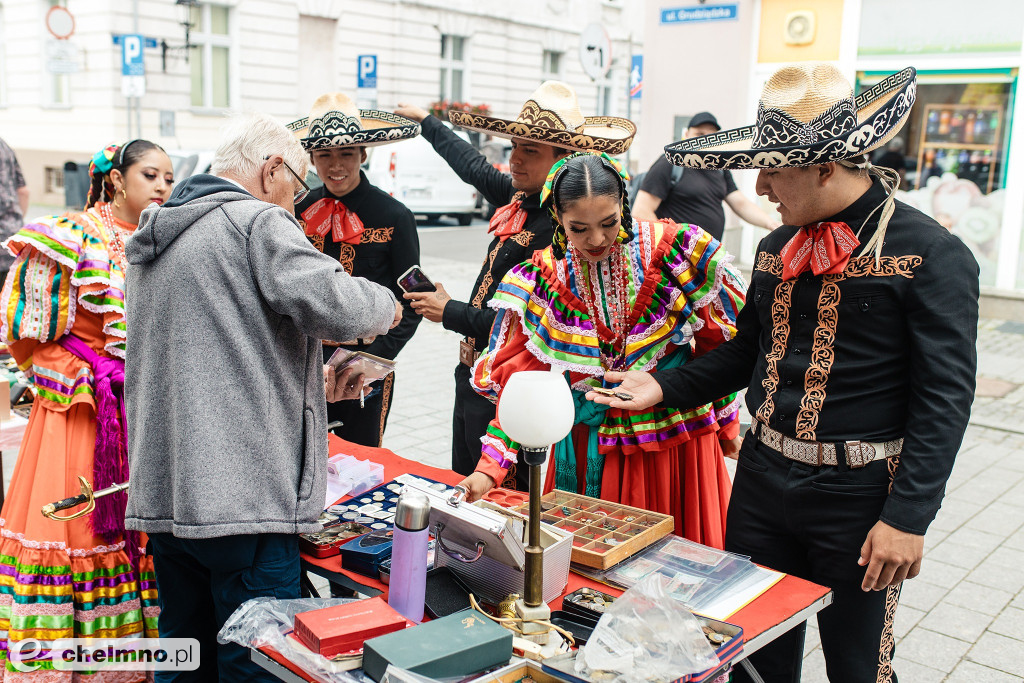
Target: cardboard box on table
(455, 646)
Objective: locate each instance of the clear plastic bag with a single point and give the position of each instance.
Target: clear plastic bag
(646, 636)
(268, 621)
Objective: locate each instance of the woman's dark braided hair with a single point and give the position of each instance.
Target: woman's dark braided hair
(586, 175)
(123, 157)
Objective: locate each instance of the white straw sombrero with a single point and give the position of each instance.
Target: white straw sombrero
(807, 115)
(552, 116)
(335, 121)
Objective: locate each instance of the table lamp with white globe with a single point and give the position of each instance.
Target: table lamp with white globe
(536, 409)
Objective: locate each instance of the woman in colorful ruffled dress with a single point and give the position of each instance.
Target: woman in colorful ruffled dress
(63, 321)
(614, 294)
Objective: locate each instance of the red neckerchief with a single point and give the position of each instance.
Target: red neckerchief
(822, 248)
(331, 215)
(509, 219)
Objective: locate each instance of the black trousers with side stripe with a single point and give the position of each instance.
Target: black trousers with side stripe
(811, 522)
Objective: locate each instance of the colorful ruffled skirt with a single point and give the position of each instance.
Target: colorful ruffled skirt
(58, 579)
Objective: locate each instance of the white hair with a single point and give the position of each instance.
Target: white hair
(248, 139)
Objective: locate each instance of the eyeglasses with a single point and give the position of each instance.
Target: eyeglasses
(299, 194)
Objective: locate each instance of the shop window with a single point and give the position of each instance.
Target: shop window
(954, 157)
(454, 70)
(210, 58)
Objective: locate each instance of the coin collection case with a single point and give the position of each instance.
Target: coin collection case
(604, 533)
(374, 511)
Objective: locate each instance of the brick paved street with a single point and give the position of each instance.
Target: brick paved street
(961, 620)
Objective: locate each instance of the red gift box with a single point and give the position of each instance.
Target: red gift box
(343, 628)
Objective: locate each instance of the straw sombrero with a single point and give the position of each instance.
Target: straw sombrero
(552, 116)
(807, 115)
(335, 121)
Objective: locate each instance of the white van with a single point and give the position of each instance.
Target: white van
(413, 173)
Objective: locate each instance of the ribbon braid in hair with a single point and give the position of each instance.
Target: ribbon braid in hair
(559, 240)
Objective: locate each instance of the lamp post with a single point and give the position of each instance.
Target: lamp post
(536, 409)
(184, 8)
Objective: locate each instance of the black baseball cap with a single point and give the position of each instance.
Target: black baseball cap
(703, 117)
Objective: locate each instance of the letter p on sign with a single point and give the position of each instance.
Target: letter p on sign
(367, 75)
(132, 62)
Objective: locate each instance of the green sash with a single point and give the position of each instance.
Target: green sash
(592, 415)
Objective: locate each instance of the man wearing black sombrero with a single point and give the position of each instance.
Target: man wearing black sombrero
(549, 126)
(370, 232)
(857, 349)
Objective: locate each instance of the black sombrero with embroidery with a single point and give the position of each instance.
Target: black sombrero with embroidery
(335, 121)
(807, 115)
(552, 116)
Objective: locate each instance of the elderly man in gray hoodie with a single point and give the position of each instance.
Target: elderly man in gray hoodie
(225, 387)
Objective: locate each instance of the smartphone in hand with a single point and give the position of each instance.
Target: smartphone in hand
(414, 280)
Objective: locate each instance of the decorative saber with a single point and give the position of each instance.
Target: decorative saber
(86, 496)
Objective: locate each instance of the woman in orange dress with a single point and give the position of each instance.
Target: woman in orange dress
(63, 321)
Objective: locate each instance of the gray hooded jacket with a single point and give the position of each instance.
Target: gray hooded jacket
(226, 304)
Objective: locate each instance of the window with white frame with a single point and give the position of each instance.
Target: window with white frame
(454, 68)
(210, 56)
(58, 85)
(551, 69)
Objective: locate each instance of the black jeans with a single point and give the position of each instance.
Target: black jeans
(811, 522)
(202, 581)
(364, 425)
(470, 417)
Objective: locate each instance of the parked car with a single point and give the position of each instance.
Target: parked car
(413, 173)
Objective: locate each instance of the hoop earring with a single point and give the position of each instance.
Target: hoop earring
(123, 194)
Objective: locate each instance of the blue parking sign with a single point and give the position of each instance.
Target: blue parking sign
(367, 71)
(132, 62)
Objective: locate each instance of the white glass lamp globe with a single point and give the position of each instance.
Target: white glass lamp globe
(536, 408)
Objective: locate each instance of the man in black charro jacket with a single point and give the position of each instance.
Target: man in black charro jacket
(372, 235)
(857, 348)
(550, 126)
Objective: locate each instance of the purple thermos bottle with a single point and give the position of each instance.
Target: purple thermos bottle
(408, 584)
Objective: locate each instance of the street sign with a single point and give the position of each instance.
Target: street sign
(133, 86)
(60, 22)
(366, 81)
(595, 51)
(636, 77)
(132, 60)
(147, 42)
(685, 15)
(367, 71)
(61, 56)
(167, 123)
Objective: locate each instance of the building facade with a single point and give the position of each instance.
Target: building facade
(964, 141)
(61, 100)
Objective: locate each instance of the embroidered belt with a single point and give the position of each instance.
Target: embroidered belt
(467, 351)
(817, 453)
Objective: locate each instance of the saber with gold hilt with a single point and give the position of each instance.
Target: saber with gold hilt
(87, 497)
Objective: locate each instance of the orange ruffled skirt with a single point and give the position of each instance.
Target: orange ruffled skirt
(57, 579)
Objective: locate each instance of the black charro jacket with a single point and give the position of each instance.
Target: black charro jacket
(876, 353)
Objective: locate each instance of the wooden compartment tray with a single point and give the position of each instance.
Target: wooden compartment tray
(604, 533)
